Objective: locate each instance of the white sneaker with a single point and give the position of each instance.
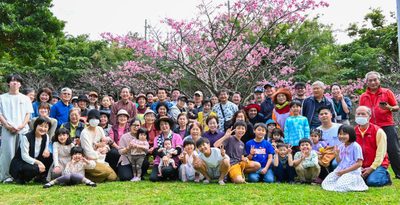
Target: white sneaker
(8, 180)
(133, 179)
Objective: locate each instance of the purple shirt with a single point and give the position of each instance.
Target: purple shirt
(349, 156)
(213, 137)
(317, 146)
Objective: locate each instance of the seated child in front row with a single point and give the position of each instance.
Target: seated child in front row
(261, 151)
(140, 147)
(213, 163)
(167, 152)
(306, 162)
(283, 164)
(188, 157)
(74, 172)
(347, 175)
(235, 149)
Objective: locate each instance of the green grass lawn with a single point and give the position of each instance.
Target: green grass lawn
(146, 192)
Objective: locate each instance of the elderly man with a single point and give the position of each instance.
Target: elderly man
(125, 104)
(372, 140)
(60, 110)
(15, 111)
(313, 103)
(382, 103)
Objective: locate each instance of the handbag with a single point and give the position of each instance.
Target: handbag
(327, 154)
(227, 123)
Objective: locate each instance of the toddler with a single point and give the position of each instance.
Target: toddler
(167, 152)
(140, 148)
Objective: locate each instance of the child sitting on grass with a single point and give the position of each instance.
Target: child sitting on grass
(188, 157)
(74, 172)
(347, 175)
(283, 164)
(213, 163)
(261, 151)
(167, 152)
(236, 151)
(306, 162)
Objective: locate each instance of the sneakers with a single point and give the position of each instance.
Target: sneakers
(135, 179)
(9, 180)
(47, 185)
(206, 181)
(92, 184)
(221, 182)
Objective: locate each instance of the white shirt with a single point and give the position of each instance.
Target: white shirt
(14, 108)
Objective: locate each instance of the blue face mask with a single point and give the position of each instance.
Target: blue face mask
(361, 120)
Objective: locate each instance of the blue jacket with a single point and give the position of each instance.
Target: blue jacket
(60, 112)
(308, 109)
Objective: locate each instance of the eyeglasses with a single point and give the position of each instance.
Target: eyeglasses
(66, 93)
(136, 125)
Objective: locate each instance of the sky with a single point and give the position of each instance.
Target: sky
(94, 17)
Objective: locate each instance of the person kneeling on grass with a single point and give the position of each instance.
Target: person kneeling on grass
(214, 163)
(261, 151)
(306, 162)
(236, 151)
(74, 172)
(347, 175)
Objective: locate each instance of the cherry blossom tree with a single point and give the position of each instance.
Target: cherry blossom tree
(221, 48)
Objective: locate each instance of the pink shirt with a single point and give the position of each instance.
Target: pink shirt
(176, 142)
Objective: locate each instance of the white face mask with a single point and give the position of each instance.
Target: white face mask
(94, 122)
(362, 120)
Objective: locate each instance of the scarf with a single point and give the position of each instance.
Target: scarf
(284, 108)
(160, 140)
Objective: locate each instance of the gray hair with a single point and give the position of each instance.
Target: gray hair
(378, 75)
(366, 108)
(66, 89)
(319, 83)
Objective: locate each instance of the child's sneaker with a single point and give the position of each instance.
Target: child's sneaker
(206, 181)
(47, 185)
(221, 182)
(92, 184)
(9, 180)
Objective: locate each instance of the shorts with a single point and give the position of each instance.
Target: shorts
(237, 169)
(214, 172)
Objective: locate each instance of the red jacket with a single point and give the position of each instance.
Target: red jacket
(379, 116)
(369, 145)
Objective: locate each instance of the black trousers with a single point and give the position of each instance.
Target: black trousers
(112, 158)
(23, 172)
(393, 148)
(167, 173)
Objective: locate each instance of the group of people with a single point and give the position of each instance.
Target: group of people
(278, 136)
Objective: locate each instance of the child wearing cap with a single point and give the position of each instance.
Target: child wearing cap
(235, 149)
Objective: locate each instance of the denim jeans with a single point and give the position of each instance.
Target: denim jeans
(379, 177)
(267, 177)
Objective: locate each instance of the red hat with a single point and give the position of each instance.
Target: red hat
(250, 106)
